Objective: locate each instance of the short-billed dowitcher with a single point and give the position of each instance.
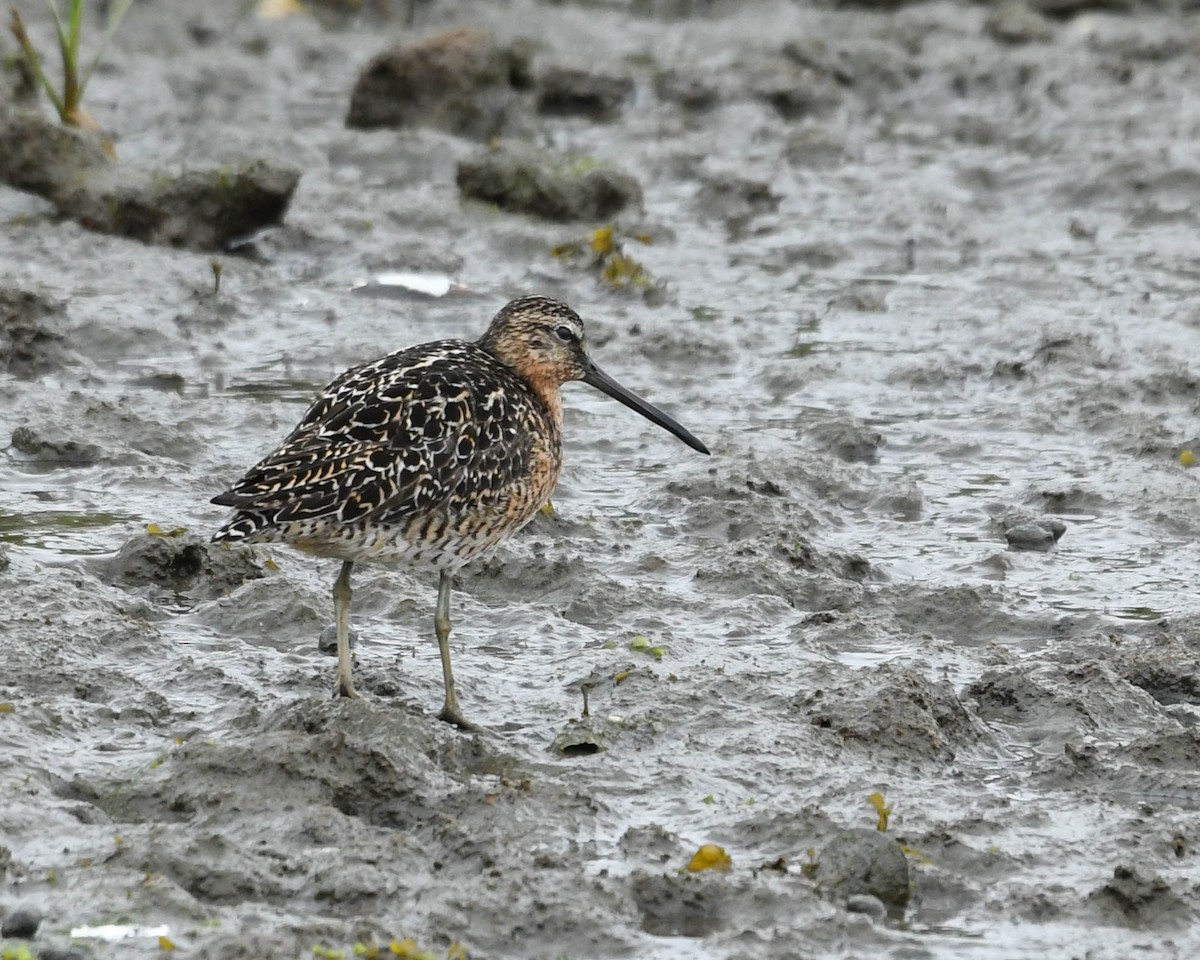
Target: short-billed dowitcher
(427, 457)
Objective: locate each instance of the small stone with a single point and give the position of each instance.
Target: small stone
(1016, 23)
(327, 643)
(1040, 535)
(22, 923)
(864, 903)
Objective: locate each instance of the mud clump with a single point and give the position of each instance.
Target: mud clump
(795, 92)
(463, 81)
(46, 158)
(199, 209)
(848, 440)
(736, 201)
(32, 334)
(1139, 900)
(565, 91)
(53, 450)
(893, 709)
(521, 179)
(672, 905)
(184, 564)
(687, 90)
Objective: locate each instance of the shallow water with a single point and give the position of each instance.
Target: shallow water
(972, 300)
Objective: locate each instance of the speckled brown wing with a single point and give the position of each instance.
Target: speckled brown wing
(438, 428)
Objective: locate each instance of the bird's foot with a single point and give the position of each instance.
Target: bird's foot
(452, 715)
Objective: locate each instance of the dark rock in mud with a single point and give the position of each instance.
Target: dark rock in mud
(184, 564)
(22, 923)
(32, 340)
(566, 91)
(1140, 900)
(690, 91)
(1034, 536)
(521, 179)
(1017, 23)
(54, 450)
(1024, 531)
(5, 562)
(463, 81)
(200, 209)
(861, 862)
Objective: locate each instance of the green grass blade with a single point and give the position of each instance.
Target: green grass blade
(76, 29)
(70, 99)
(115, 15)
(35, 62)
(72, 92)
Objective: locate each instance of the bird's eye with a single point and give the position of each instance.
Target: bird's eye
(565, 333)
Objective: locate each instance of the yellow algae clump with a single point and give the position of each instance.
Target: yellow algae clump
(884, 811)
(710, 857)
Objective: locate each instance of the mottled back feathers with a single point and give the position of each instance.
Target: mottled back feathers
(439, 440)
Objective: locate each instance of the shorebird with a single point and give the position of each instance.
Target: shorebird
(428, 457)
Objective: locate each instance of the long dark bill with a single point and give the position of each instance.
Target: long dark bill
(602, 381)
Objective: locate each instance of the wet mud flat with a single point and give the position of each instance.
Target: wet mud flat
(923, 279)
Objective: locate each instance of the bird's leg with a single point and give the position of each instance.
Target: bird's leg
(341, 615)
(441, 624)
